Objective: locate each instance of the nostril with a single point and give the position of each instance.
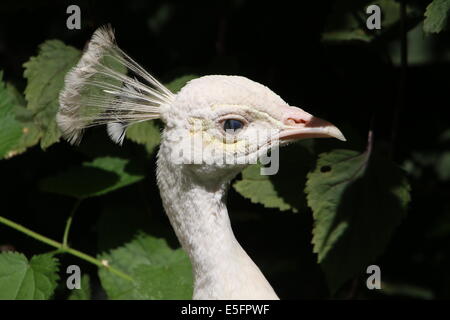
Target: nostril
(293, 116)
(290, 122)
(293, 121)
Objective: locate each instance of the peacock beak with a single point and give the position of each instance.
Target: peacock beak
(301, 125)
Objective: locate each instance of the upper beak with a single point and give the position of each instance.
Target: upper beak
(302, 125)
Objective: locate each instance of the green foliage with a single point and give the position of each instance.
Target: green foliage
(45, 74)
(436, 16)
(347, 21)
(437, 161)
(180, 82)
(147, 133)
(94, 178)
(84, 293)
(282, 190)
(357, 200)
(159, 272)
(259, 189)
(21, 279)
(11, 129)
(344, 35)
(15, 135)
(443, 166)
(445, 136)
(406, 291)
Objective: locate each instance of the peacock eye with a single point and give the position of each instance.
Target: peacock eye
(232, 124)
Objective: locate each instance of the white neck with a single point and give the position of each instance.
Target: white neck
(198, 214)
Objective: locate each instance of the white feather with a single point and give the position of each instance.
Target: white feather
(116, 131)
(96, 91)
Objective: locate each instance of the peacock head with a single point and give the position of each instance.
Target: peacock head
(224, 122)
(213, 126)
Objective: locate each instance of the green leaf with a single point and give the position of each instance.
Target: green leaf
(436, 16)
(357, 201)
(84, 293)
(284, 190)
(159, 272)
(406, 290)
(344, 23)
(346, 35)
(11, 129)
(16, 134)
(260, 189)
(101, 176)
(21, 279)
(443, 166)
(146, 133)
(45, 74)
(347, 21)
(445, 136)
(180, 82)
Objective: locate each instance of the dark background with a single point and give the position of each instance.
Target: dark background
(355, 85)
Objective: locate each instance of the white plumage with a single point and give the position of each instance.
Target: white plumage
(193, 192)
(97, 92)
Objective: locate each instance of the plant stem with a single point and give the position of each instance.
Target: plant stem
(63, 249)
(30, 233)
(69, 223)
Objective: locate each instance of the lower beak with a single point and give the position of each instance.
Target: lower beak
(313, 128)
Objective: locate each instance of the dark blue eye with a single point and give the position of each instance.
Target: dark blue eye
(232, 124)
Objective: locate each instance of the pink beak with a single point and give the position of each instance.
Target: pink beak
(302, 125)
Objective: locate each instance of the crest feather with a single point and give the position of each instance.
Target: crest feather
(108, 87)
